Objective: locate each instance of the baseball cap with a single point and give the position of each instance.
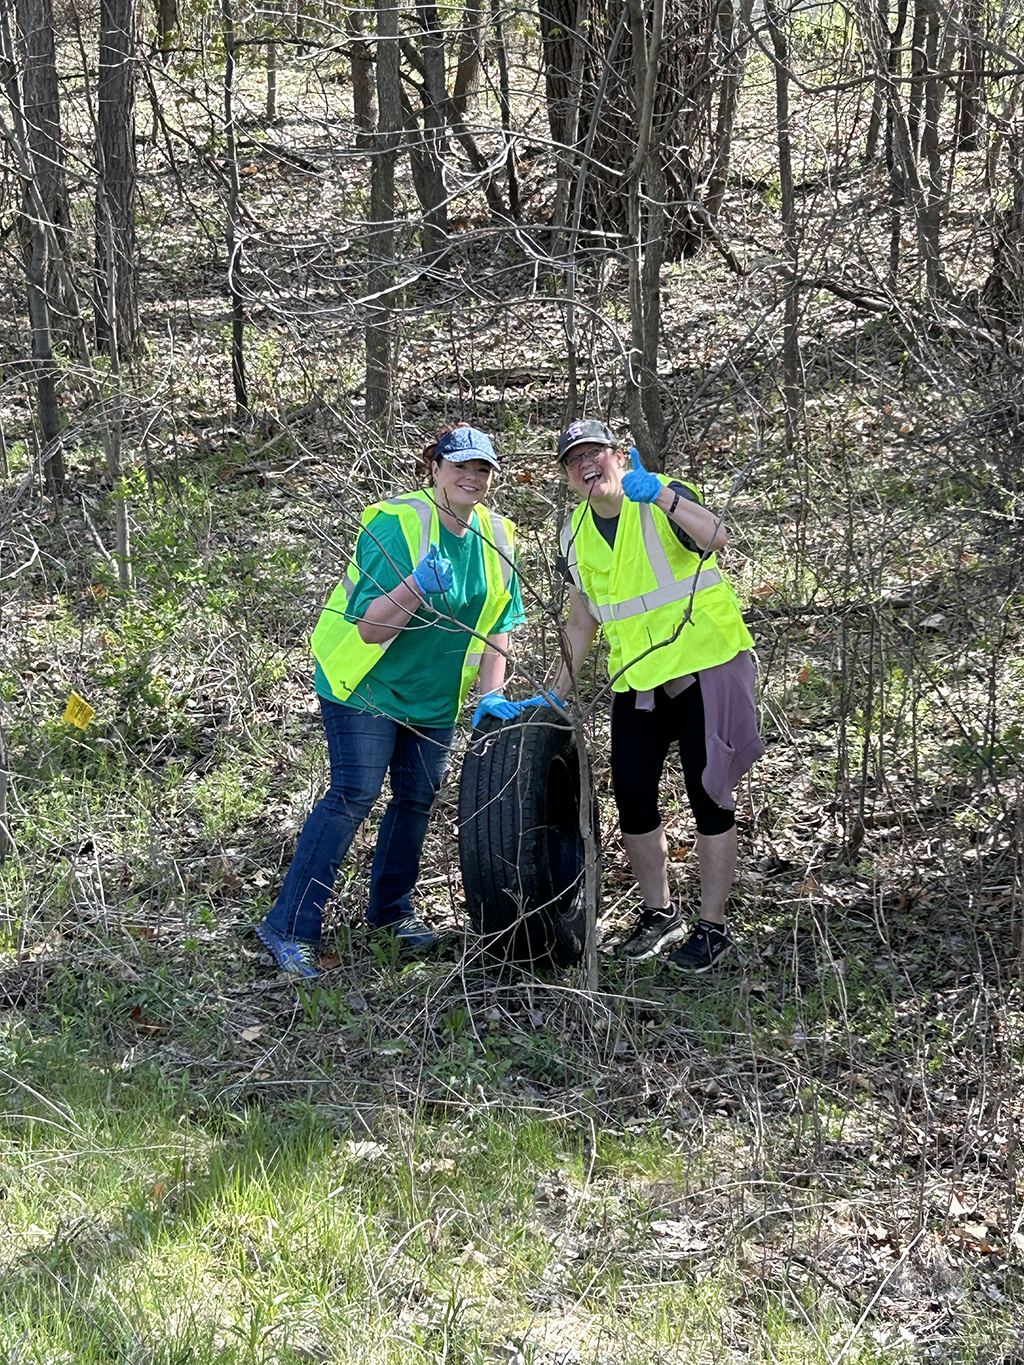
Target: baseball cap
(466, 443)
(587, 431)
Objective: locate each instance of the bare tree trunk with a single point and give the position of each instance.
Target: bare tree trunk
(505, 106)
(272, 14)
(885, 46)
(791, 319)
(918, 64)
(972, 69)
(645, 251)
(557, 22)
(733, 38)
(571, 263)
(897, 186)
(470, 49)
(364, 106)
(934, 273)
(31, 79)
(232, 244)
(430, 153)
(35, 55)
(166, 27)
(117, 311)
(878, 98)
(379, 398)
(569, 122)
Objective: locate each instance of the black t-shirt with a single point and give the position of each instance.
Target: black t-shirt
(609, 525)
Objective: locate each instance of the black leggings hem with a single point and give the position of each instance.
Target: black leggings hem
(640, 745)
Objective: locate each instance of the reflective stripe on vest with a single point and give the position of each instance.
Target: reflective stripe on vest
(660, 597)
(668, 589)
(644, 629)
(426, 513)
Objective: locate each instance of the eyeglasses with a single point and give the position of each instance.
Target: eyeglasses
(574, 461)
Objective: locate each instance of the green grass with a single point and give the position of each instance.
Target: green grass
(198, 1170)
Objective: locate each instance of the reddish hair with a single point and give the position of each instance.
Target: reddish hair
(428, 450)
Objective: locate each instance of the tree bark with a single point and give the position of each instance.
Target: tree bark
(505, 107)
(470, 48)
(791, 317)
(885, 51)
(116, 294)
(380, 304)
(167, 23)
(428, 156)
(569, 121)
(685, 82)
(972, 68)
(271, 108)
(35, 54)
(645, 252)
(935, 278)
(364, 106)
(918, 64)
(897, 187)
(31, 78)
(733, 39)
(232, 244)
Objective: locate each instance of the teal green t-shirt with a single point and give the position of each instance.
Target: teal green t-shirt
(416, 680)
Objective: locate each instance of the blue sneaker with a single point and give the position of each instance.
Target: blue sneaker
(291, 954)
(411, 932)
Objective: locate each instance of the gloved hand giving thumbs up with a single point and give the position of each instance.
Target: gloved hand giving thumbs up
(638, 485)
(433, 574)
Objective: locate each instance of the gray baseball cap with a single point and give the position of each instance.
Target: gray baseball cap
(587, 431)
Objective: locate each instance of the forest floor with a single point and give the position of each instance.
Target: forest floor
(809, 1156)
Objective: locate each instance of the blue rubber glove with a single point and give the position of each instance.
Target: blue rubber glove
(542, 699)
(433, 573)
(494, 704)
(638, 485)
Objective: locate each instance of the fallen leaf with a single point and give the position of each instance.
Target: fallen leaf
(145, 1025)
(249, 1035)
(975, 1236)
(956, 1206)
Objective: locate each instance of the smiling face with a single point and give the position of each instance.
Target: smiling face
(595, 471)
(460, 487)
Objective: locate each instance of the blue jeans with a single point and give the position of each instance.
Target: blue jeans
(363, 748)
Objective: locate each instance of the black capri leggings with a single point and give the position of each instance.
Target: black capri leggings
(640, 744)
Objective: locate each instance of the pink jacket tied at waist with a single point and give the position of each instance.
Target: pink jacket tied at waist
(730, 726)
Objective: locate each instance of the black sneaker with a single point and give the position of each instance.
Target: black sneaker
(653, 930)
(706, 945)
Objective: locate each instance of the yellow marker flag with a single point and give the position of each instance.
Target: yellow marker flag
(78, 711)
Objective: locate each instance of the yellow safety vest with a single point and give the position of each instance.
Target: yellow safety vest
(340, 650)
(641, 592)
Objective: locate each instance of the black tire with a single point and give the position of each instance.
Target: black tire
(520, 846)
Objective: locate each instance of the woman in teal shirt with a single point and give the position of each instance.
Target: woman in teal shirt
(398, 719)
